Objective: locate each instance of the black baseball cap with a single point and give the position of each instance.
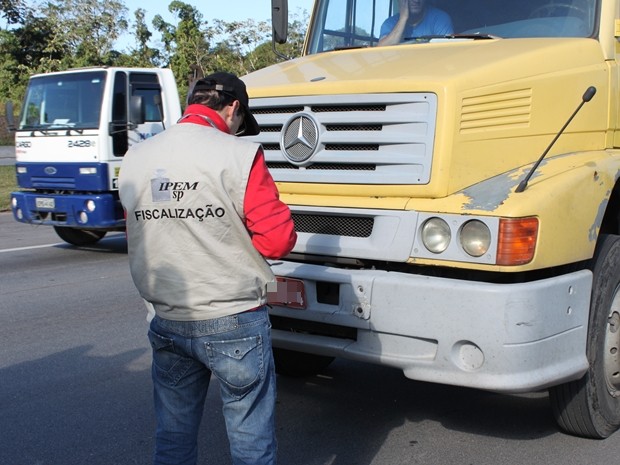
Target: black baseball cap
(231, 85)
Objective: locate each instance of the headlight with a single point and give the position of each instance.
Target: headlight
(22, 170)
(13, 202)
(436, 235)
(88, 170)
(475, 238)
(83, 217)
(90, 205)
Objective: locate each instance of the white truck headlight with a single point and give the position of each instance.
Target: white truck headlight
(436, 235)
(475, 238)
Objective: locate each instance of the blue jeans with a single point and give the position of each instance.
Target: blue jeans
(237, 350)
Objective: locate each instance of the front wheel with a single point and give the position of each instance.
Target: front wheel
(79, 237)
(590, 406)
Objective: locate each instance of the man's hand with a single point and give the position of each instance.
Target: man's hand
(404, 10)
(396, 35)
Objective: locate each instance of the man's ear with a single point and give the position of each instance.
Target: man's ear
(229, 111)
(236, 107)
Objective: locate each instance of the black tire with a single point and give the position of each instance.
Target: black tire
(590, 406)
(299, 364)
(79, 237)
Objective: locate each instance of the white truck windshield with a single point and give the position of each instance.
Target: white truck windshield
(63, 101)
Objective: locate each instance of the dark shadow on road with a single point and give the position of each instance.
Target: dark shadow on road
(344, 416)
(114, 243)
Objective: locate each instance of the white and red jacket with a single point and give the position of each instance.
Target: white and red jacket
(202, 214)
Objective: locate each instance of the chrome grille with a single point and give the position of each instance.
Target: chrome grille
(390, 135)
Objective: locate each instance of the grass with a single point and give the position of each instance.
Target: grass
(8, 184)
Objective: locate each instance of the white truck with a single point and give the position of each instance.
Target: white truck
(74, 128)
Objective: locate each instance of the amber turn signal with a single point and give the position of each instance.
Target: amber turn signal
(517, 240)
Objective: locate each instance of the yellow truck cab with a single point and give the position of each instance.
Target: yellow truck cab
(456, 198)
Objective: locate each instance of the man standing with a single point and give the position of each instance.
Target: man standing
(203, 213)
(415, 19)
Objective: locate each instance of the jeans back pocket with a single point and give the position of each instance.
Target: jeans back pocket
(169, 365)
(237, 363)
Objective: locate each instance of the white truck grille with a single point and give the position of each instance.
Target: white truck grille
(348, 139)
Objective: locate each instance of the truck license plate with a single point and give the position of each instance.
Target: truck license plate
(43, 202)
(288, 292)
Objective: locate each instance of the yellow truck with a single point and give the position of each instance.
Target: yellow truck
(455, 195)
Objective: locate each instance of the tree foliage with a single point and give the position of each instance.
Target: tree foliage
(59, 34)
(186, 43)
(85, 31)
(142, 54)
(12, 10)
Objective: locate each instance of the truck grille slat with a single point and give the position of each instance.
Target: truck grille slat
(353, 127)
(321, 166)
(339, 108)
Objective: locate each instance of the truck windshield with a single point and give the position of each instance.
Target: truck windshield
(71, 101)
(339, 24)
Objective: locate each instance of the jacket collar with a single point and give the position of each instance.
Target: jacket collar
(200, 114)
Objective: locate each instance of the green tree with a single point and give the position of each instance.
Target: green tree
(61, 34)
(85, 31)
(12, 10)
(186, 44)
(23, 50)
(241, 38)
(142, 55)
(245, 46)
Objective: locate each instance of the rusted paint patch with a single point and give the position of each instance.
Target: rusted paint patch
(492, 193)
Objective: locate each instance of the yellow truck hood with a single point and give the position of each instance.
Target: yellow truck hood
(423, 66)
(500, 103)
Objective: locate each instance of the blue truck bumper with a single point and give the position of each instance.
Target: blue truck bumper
(85, 211)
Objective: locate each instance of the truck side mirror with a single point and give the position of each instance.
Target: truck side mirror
(279, 20)
(8, 113)
(137, 111)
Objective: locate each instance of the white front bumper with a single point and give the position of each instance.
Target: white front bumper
(500, 337)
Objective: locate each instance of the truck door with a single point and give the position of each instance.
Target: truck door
(147, 87)
(123, 131)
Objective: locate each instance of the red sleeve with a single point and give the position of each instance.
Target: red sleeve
(267, 218)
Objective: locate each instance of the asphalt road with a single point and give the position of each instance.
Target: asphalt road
(75, 385)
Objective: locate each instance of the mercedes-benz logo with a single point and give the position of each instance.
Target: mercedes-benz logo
(300, 138)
